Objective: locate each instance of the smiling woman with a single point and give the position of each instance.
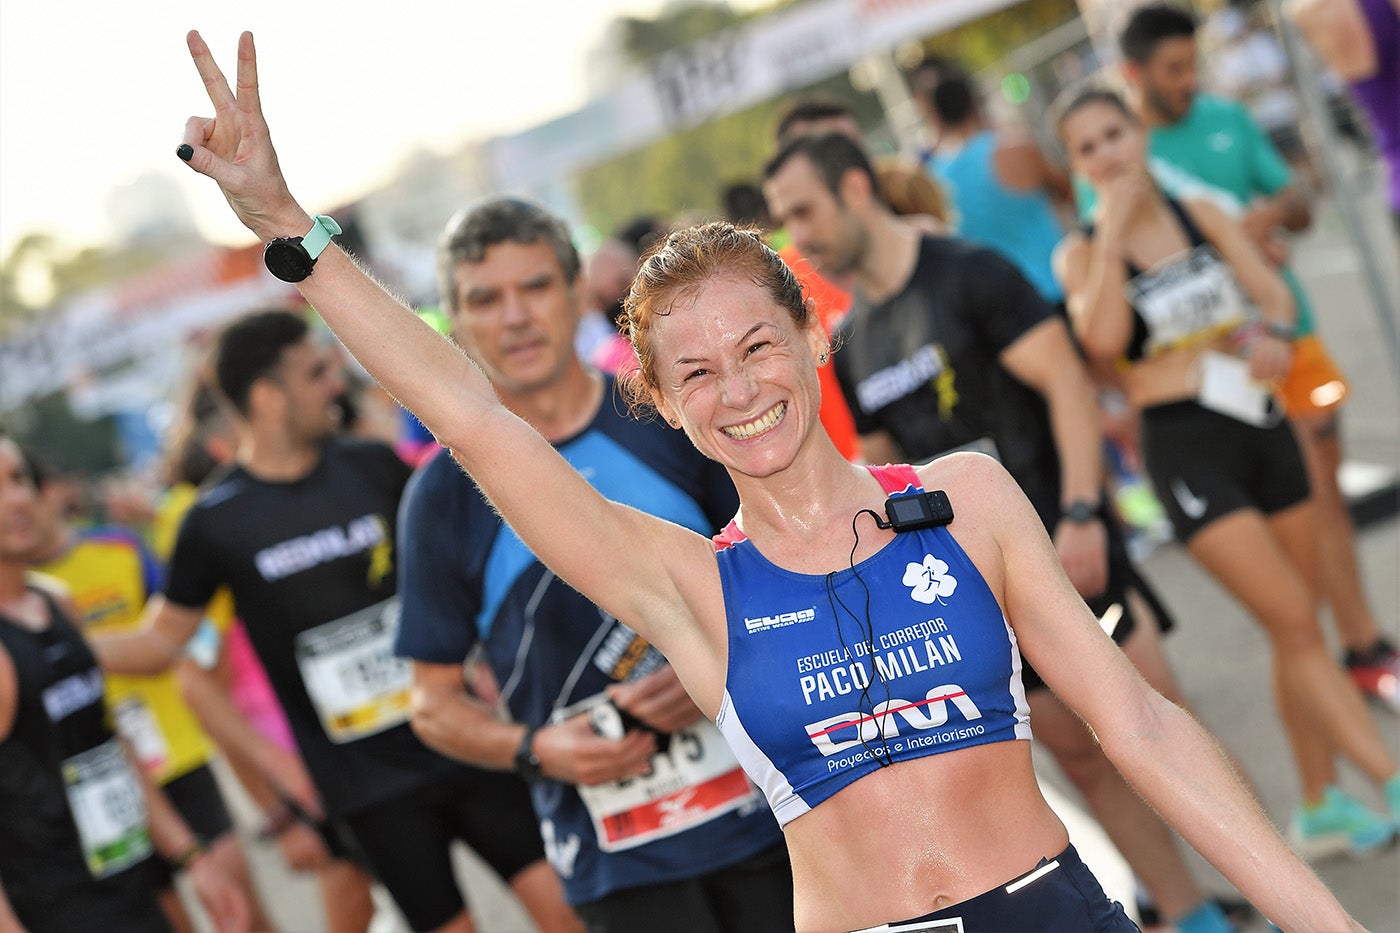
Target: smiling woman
(734, 381)
(729, 351)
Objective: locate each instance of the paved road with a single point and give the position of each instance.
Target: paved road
(1219, 656)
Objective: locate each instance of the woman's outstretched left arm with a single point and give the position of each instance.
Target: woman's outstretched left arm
(1170, 759)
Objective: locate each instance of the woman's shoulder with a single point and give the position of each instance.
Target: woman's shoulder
(974, 478)
(1204, 209)
(988, 508)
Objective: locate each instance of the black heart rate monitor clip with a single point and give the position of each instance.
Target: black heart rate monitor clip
(912, 511)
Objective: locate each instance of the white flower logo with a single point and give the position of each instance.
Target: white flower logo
(930, 580)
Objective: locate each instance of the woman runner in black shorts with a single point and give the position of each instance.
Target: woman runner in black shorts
(1173, 297)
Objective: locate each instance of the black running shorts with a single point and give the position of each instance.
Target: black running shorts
(195, 795)
(1205, 465)
(755, 894)
(406, 840)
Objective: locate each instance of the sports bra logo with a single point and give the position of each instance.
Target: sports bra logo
(781, 620)
(930, 581)
(838, 733)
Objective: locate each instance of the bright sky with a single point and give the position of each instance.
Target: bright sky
(95, 94)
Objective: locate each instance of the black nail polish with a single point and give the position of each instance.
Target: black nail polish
(185, 151)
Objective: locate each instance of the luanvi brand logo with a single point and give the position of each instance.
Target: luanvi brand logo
(782, 619)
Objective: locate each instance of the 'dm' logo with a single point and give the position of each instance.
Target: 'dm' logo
(847, 730)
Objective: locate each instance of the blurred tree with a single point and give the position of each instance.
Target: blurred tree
(63, 441)
(684, 173)
(641, 39)
(984, 41)
(26, 282)
(41, 273)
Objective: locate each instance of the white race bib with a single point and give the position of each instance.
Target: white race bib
(694, 781)
(137, 724)
(1186, 298)
(109, 808)
(1226, 387)
(348, 666)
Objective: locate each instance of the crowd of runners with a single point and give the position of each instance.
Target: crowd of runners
(713, 555)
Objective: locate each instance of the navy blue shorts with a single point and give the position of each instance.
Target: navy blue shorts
(1060, 895)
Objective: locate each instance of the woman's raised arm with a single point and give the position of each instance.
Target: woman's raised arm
(425, 372)
(554, 510)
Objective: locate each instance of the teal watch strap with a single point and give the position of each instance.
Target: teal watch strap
(319, 236)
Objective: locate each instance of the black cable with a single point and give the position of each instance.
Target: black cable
(868, 631)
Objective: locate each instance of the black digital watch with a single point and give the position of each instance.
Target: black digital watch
(1080, 512)
(291, 258)
(527, 763)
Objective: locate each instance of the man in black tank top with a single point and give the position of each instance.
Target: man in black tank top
(80, 827)
(947, 346)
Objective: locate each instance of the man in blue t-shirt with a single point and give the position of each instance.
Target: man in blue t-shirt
(1211, 146)
(643, 809)
(1005, 192)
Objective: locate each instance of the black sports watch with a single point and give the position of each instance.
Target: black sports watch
(1080, 512)
(527, 763)
(291, 258)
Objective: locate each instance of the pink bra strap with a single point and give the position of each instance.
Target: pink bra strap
(896, 477)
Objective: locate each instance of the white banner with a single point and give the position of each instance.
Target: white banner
(722, 74)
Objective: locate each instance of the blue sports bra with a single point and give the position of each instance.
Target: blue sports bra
(819, 693)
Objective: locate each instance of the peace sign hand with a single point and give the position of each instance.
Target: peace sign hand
(235, 149)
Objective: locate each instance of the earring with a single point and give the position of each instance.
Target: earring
(821, 360)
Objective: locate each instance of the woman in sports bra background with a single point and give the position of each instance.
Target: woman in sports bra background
(1172, 298)
(839, 657)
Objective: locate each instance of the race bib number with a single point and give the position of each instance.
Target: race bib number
(1187, 299)
(108, 807)
(348, 666)
(137, 724)
(693, 781)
